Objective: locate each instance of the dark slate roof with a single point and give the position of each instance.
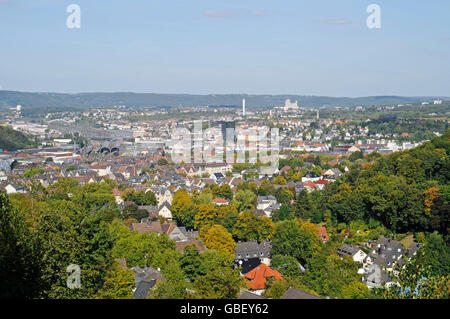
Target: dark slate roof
(293, 293)
(145, 280)
(253, 249)
(165, 204)
(150, 209)
(142, 289)
(264, 198)
(249, 295)
(388, 252)
(377, 275)
(412, 249)
(346, 249)
(248, 264)
(310, 174)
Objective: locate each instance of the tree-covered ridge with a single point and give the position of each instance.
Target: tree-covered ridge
(406, 191)
(12, 140)
(87, 100)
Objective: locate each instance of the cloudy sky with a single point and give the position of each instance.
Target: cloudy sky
(313, 47)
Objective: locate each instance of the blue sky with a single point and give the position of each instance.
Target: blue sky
(314, 47)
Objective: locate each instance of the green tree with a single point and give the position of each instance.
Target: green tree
(20, 255)
(181, 205)
(251, 227)
(224, 283)
(191, 262)
(281, 214)
(290, 240)
(119, 284)
(303, 205)
(244, 200)
(162, 162)
(218, 238)
(288, 266)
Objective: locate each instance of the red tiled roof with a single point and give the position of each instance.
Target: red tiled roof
(117, 192)
(310, 184)
(141, 227)
(259, 274)
(182, 244)
(220, 201)
(323, 235)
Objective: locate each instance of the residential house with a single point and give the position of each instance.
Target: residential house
(163, 194)
(217, 177)
(220, 202)
(293, 293)
(258, 276)
(355, 252)
(323, 235)
(376, 277)
(245, 294)
(190, 234)
(386, 253)
(12, 188)
(320, 184)
(310, 176)
(170, 229)
(251, 249)
(145, 279)
(265, 201)
(268, 204)
(332, 174)
(165, 210)
(181, 245)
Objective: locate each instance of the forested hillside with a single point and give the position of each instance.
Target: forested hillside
(11, 140)
(406, 191)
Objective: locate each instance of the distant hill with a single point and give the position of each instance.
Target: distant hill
(86, 100)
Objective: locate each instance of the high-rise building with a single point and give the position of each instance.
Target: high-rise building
(224, 125)
(243, 107)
